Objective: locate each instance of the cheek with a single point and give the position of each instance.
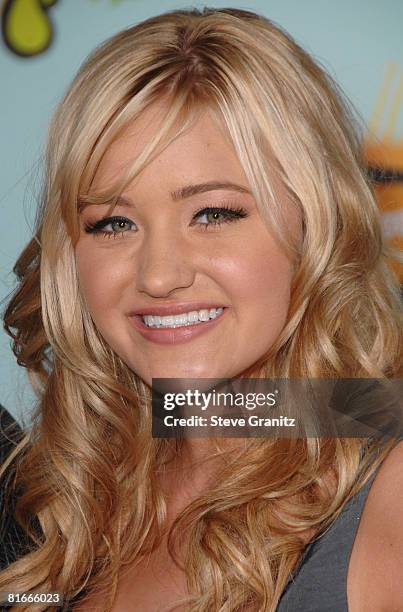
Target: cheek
(99, 279)
(261, 281)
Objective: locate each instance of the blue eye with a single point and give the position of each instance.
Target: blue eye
(227, 214)
(96, 228)
(217, 215)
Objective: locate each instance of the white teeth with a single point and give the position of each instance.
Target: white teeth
(192, 317)
(204, 315)
(195, 317)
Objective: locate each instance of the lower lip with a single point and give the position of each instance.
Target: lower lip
(174, 335)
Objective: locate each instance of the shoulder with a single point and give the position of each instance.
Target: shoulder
(376, 563)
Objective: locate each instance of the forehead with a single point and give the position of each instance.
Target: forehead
(202, 152)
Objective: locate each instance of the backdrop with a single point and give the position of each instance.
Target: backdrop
(360, 42)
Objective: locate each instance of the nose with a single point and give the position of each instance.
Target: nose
(165, 264)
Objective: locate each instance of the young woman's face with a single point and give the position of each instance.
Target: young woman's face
(167, 254)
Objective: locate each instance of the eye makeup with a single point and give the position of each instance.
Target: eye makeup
(229, 215)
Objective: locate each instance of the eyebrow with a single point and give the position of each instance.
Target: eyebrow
(190, 190)
(182, 193)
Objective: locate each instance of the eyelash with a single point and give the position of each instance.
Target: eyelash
(231, 215)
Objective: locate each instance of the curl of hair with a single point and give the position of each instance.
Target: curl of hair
(99, 512)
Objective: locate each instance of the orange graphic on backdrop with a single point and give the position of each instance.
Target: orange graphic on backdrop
(384, 153)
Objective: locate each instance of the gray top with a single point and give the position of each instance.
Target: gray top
(319, 583)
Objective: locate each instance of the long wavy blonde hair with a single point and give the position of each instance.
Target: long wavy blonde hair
(101, 511)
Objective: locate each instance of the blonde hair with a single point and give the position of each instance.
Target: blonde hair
(99, 511)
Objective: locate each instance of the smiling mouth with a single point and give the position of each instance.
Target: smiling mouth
(186, 319)
(176, 333)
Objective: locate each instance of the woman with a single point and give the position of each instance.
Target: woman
(201, 162)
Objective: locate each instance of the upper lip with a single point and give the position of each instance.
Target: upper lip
(166, 309)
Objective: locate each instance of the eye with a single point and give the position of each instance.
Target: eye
(116, 223)
(216, 216)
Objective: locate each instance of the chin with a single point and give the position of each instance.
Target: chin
(193, 372)
(183, 373)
